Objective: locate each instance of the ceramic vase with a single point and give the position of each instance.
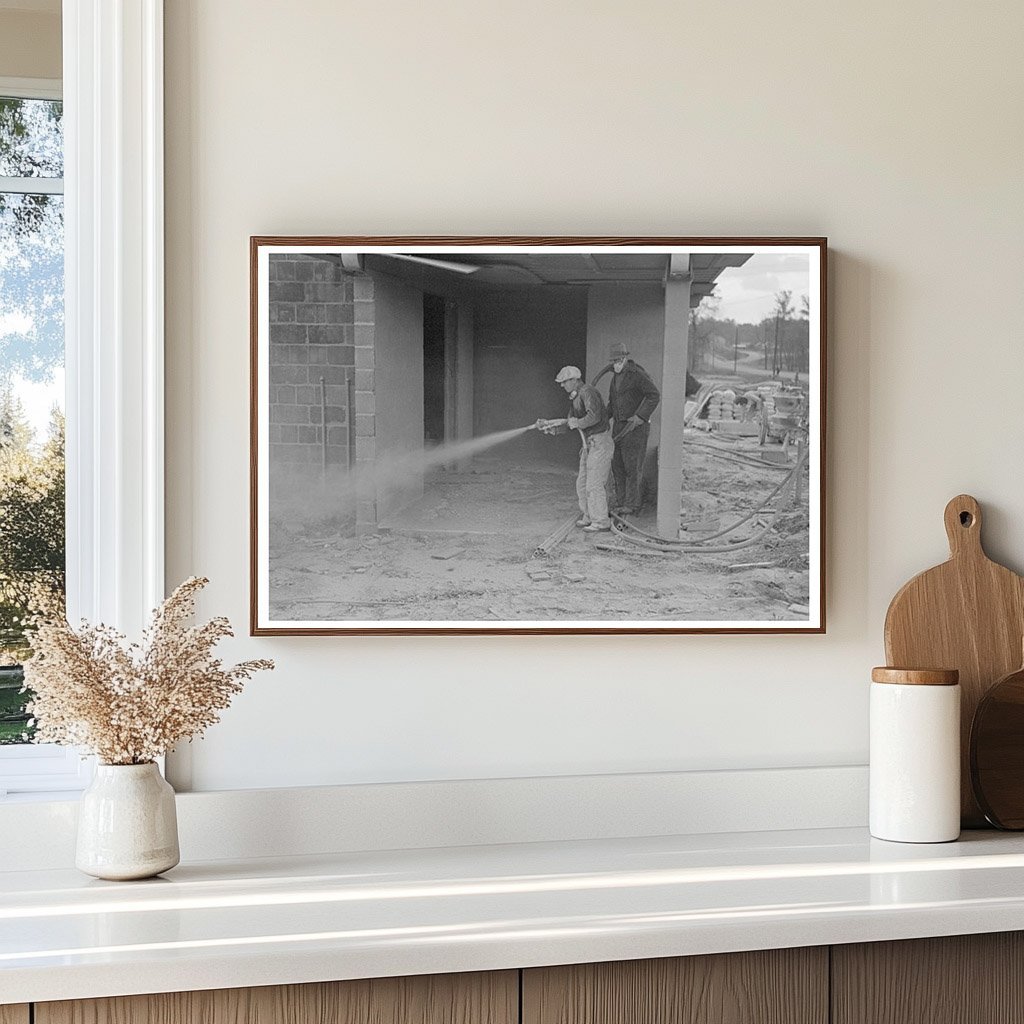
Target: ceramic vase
(127, 825)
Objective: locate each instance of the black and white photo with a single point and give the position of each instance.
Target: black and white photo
(543, 435)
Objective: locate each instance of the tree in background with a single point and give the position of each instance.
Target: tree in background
(780, 316)
(764, 340)
(801, 350)
(32, 574)
(781, 338)
(703, 321)
(31, 522)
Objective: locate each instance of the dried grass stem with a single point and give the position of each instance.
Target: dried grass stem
(130, 703)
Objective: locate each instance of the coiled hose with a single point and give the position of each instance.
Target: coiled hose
(634, 535)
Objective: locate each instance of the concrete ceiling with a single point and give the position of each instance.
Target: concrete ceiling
(503, 270)
(564, 268)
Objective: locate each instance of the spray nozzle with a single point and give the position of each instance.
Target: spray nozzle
(550, 426)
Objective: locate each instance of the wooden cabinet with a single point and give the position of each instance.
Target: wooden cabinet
(972, 979)
(963, 979)
(778, 986)
(491, 998)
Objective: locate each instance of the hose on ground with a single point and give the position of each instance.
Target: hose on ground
(690, 549)
(634, 535)
(739, 457)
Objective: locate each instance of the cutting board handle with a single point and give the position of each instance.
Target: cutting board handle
(963, 526)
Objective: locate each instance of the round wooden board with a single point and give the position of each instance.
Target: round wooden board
(997, 752)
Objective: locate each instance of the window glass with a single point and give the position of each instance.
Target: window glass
(31, 387)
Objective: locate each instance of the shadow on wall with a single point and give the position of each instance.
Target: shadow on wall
(848, 424)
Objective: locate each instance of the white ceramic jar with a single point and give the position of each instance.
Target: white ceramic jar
(127, 823)
(915, 755)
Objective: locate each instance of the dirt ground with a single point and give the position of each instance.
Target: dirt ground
(466, 552)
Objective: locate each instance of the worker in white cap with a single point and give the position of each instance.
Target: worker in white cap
(588, 415)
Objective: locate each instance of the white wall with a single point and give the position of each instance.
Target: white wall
(29, 42)
(894, 129)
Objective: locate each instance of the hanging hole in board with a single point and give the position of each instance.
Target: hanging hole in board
(966, 519)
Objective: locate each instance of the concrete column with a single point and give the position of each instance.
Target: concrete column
(451, 356)
(363, 425)
(635, 315)
(673, 394)
(464, 377)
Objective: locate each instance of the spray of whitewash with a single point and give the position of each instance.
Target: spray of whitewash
(329, 501)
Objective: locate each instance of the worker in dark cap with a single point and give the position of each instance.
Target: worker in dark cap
(632, 399)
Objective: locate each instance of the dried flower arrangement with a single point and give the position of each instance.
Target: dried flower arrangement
(129, 704)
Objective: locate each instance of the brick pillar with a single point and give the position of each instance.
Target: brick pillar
(312, 336)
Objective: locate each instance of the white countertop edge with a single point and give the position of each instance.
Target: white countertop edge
(539, 948)
(233, 924)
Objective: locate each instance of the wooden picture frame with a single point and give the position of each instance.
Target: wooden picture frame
(399, 483)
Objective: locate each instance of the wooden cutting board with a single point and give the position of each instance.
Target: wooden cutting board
(967, 614)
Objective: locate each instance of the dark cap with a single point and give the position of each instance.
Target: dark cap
(619, 351)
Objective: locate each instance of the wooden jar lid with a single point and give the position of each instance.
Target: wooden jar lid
(916, 676)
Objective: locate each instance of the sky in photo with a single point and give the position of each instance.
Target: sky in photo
(41, 394)
(747, 293)
(39, 398)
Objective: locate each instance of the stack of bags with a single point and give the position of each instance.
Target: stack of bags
(722, 406)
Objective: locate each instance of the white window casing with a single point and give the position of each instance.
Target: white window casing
(114, 326)
(113, 110)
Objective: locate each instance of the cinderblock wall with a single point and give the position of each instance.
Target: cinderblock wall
(312, 338)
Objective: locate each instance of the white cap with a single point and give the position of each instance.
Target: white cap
(568, 373)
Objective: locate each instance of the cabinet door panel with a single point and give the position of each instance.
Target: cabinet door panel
(778, 986)
(491, 998)
(14, 1014)
(962, 979)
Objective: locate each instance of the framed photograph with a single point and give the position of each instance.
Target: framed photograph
(537, 435)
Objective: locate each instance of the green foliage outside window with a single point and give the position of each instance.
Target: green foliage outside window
(31, 351)
(31, 546)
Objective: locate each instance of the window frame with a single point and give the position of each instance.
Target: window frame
(112, 89)
(32, 88)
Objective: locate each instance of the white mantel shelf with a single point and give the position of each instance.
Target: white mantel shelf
(225, 924)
